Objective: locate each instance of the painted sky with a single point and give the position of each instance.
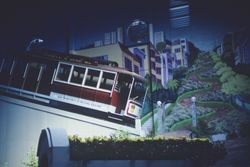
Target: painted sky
(88, 20)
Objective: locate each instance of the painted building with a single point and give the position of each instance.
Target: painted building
(236, 48)
(147, 53)
(158, 37)
(151, 33)
(179, 13)
(218, 49)
(242, 52)
(228, 49)
(135, 57)
(115, 52)
(242, 47)
(168, 63)
(180, 48)
(110, 38)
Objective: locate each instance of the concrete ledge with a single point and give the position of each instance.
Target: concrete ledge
(53, 148)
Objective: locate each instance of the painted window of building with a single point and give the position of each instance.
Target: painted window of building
(164, 63)
(141, 62)
(158, 59)
(177, 50)
(128, 64)
(92, 78)
(136, 69)
(170, 71)
(176, 42)
(158, 70)
(152, 52)
(6, 64)
(153, 77)
(77, 75)
(153, 65)
(19, 68)
(63, 72)
(178, 62)
(107, 80)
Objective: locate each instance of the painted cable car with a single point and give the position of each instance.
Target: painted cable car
(74, 83)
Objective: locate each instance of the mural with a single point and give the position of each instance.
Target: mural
(122, 77)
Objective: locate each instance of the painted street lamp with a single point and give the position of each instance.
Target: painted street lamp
(34, 41)
(160, 117)
(194, 119)
(159, 104)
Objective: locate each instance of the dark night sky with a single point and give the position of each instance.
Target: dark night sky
(88, 20)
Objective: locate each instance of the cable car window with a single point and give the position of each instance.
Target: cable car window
(77, 75)
(138, 91)
(107, 80)
(7, 64)
(63, 72)
(92, 78)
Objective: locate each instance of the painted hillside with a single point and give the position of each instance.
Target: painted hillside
(215, 86)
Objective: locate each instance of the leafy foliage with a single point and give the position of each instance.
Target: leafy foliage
(119, 134)
(199, 151)
(179, 72)
(155, 85)
(232, 121)
(160, 46)
(227, 76)
(223, 70)
(181, 113)
(32, 160)
(219, 65)
(232, 83)
(237, 84)
(215, 57)
(173, 84)
(190, 85)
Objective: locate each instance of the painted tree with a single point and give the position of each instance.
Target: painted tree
(173, 84)
(219, 65)
(237, 85)
(227, 76)
(215, 57)
(228, 88)
(154, 84)
(160, 46)
(223, 70)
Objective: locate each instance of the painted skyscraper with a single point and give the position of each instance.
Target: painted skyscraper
(179, 13)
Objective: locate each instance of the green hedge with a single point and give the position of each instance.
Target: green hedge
(146, 117)
(160, 148)
(170, 108)
(191, 93)
(188, 122)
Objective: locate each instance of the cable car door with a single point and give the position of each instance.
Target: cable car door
(32, 77)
